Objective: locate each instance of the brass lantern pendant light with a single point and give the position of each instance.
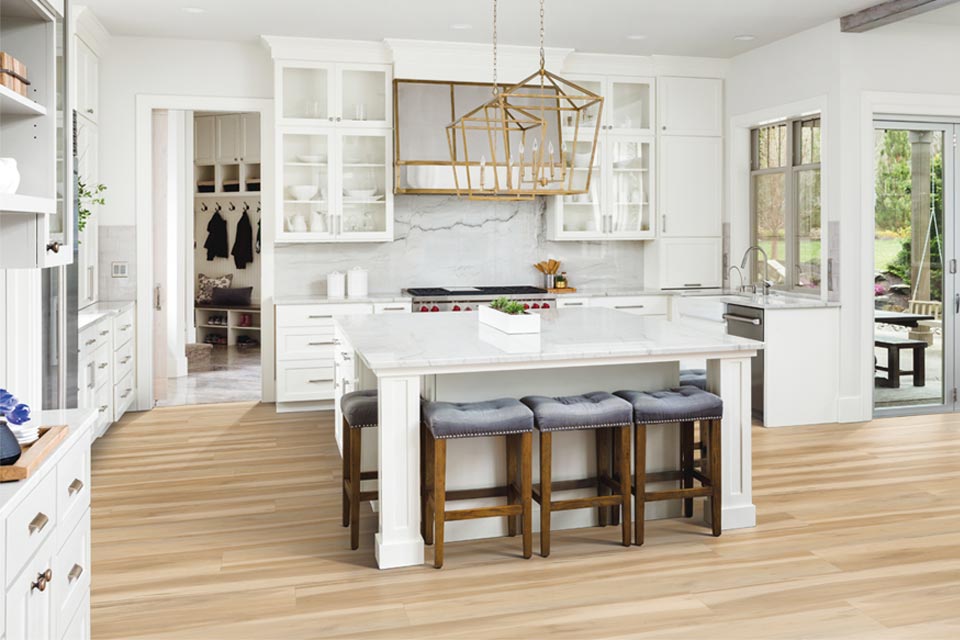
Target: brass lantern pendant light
(537, 137)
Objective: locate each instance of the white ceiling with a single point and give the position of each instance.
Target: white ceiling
(671, 27)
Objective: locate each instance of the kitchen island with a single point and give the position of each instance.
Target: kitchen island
(453, 357)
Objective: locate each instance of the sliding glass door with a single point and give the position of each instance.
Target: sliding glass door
(916, 298)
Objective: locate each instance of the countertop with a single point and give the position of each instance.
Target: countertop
(317, 299)
(774, 302)
(99, 310)
(420, 340)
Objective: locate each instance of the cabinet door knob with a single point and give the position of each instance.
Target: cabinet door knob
(90, 111)
(54, 247)
(338, 118)
(38, 523)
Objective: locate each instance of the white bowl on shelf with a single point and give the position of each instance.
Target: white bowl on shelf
(312, 159)
(582, 160)
(360, 193)
(302, 192)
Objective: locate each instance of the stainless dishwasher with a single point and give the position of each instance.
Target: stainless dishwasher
(747, 322)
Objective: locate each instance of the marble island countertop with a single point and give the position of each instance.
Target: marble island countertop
(99, 310)
(323, 299)
(425, 341)
(772, 302)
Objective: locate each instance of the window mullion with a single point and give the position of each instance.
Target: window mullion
(790, 222)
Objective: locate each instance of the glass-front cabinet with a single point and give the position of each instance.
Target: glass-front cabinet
(619, 205)
(335, 145)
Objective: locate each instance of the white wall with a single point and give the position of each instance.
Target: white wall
(134, 66)
(846, 68)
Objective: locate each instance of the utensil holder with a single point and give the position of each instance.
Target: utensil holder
(549, 280)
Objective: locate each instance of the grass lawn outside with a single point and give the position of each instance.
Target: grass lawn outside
(884, 252)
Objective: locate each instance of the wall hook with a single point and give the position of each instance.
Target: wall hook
(232, 207)
(203, 206)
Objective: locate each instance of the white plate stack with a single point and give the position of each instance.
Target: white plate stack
(26, 433)
(357, 283)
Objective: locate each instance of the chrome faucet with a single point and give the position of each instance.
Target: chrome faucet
(740, 272)
(767, 283)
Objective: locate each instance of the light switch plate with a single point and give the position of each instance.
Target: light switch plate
(118, 269)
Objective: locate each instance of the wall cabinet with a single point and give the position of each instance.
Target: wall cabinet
(88, 171)
(335, 94)
(690, 263)
(620, 203)
(205, 139)
(226, 152)
(250, 137)
(228, 138)
(691, 186)
(87, 69)
(690, 106)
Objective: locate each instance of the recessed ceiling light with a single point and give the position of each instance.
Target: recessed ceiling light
(461, 27)
(194, 10)
(746, 37)
(637, 37)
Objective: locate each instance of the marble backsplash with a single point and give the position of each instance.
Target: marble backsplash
(442, 240)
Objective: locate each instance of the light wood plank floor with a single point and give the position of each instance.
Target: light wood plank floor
(223, 521)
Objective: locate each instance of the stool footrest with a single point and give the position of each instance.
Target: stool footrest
(677, 494)
(586, 503)
(368, 475)
(484, 512)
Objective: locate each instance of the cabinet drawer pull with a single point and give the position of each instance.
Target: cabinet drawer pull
(75, 573)
(125, 393)
(104, 333)
(75, 486)
(631, 306)
(104, 408)
(318, 317)
(692, 284)
(38, 523)
(90, 342)
(573, 304)
(394, 308)
(126, 360)
(345, 355)
(320, 380)
(745, 320)
(126, 327)
(103, 365)
(320, 344)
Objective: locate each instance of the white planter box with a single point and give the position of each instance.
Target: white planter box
(526, 323)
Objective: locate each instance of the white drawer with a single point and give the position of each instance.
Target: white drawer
(30, 524)
(638, 305)
(302, 381)
(71, 573)
(87, 381)
(123, 393)
(392, 307)
(103, 402)
(563, 301)
(91, 338)
(73, 488)
(317, 315)
(305, 344)
(123, 331)
(124, 360)
(104, 362)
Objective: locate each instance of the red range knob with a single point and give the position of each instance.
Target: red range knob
(435, 308)
(424, 309)
(536, 306)
(456, 307)
(469, 309)
(526, 306)
(546, 305)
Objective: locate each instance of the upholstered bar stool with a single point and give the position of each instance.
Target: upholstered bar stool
(685, 406)
(360, 411)
(447, 420)
(599, 411)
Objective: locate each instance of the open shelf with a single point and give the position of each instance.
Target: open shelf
(16, 203)
(12, 103)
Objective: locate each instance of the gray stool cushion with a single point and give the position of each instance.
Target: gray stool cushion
(595, 410)
(360, 409)
(685, 404)
(501, 417)
(693, 378)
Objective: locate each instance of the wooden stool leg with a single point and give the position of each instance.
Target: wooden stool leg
(614, 444)
(716, 478)
(893, 367)
(919, 366)
(428, 472)
(639, 480)
(526, 491)
(512, 445)
(603, 470)
(624, 463)
(686, 464)
(345, 476)
(439, 498)
(355, 488)
(546, 451)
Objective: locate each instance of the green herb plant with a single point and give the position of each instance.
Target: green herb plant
(86, 197)
(508, 306)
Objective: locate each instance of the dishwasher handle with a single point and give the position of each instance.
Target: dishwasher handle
(735, 318)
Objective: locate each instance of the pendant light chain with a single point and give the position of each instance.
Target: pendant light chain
(496, 87)
(543, 57)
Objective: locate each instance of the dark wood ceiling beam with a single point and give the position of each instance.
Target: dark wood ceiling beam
(887, 13)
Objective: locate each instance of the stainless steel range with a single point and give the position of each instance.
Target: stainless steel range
(437, 299)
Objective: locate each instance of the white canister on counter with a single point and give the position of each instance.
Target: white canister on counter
(9, 175)
(357, 282)
(336, 285)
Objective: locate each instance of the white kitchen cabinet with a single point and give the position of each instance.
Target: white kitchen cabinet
(107, 365)
(29, 610)
(335, 94)
(88, 81)
(691, 186)
(88, 171)
(689, 263)
(205, 140)
(690, 106)
(349, 170)
(250, 129)
(656, 306)
(228, 138)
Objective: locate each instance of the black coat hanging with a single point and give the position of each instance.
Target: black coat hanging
(243, 245)
(216, 244)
